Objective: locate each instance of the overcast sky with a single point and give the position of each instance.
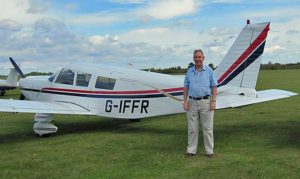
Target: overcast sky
(44, 35)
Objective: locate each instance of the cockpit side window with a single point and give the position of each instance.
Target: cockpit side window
(83, 79)
(105, 83)
(66, 76)
(52, 77)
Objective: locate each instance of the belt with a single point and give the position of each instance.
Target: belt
(199, 98)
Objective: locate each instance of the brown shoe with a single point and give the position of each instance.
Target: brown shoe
(210, 155)
(190, 155)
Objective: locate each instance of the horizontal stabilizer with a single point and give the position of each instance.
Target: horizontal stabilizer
(9, 105)
(228, 101)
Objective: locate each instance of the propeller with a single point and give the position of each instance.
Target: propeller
(22, 97)
(17, 67)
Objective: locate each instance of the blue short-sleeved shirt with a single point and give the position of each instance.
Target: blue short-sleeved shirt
(200, 83)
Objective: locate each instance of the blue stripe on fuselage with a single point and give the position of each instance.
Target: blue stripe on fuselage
(106, 96)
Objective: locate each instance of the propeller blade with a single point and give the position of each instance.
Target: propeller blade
(17, 67)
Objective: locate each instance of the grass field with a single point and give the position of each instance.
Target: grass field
(257, 141)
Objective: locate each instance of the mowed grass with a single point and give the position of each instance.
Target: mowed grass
(257, 141)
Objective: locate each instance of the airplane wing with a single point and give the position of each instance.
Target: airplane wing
(9, 105)
(226, 101)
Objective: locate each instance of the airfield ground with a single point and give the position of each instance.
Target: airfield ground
(257, 141)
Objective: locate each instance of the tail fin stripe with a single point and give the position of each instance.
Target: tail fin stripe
(247, 53)
(245, 64)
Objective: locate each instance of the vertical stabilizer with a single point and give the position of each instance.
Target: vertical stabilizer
(240, 66)
(12, 77)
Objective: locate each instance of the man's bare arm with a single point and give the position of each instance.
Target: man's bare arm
(213, 98)
(185, 99)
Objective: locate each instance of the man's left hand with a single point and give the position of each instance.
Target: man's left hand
(212, 105)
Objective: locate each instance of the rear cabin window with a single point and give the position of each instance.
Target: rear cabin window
(105, 83)
(66, 76)
(83, 79)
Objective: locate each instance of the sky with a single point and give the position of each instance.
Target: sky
(44, 35)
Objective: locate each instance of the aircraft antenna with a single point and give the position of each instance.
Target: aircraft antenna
(156, 61)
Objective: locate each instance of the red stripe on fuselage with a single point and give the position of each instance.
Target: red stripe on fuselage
(113, 92)
(262, 36)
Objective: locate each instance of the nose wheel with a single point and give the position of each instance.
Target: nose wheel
(43, 126)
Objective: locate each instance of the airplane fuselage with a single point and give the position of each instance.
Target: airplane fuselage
(111, 92)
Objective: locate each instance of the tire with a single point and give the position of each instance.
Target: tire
(134, 120)
(22, 97)
(43, 135)
(2, 93)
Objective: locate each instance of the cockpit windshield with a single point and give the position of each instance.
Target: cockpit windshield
(66, 76)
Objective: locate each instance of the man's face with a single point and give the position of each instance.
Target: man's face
(198, 59)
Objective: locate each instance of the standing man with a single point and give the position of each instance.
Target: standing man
(200, 90)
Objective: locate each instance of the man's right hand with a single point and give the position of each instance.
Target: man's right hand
(185, 105)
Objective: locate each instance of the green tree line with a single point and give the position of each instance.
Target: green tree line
(276, 66)
(268, 66)
(181, 70)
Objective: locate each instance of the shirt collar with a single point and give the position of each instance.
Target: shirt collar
(203, 69)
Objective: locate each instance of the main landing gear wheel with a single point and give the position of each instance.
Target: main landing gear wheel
(22, 97)
(2, 93)
(43, 126)
(43, 135)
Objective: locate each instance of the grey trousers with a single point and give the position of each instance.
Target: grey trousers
(200, 110)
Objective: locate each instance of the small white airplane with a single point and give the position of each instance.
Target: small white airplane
(11, 81)
(95, 89)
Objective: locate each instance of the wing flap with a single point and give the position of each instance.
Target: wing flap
(232, 101)
(42, 107)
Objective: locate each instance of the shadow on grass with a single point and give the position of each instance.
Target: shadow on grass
(118, 126)
(271, 133)
(114, 126)
(16, 137)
